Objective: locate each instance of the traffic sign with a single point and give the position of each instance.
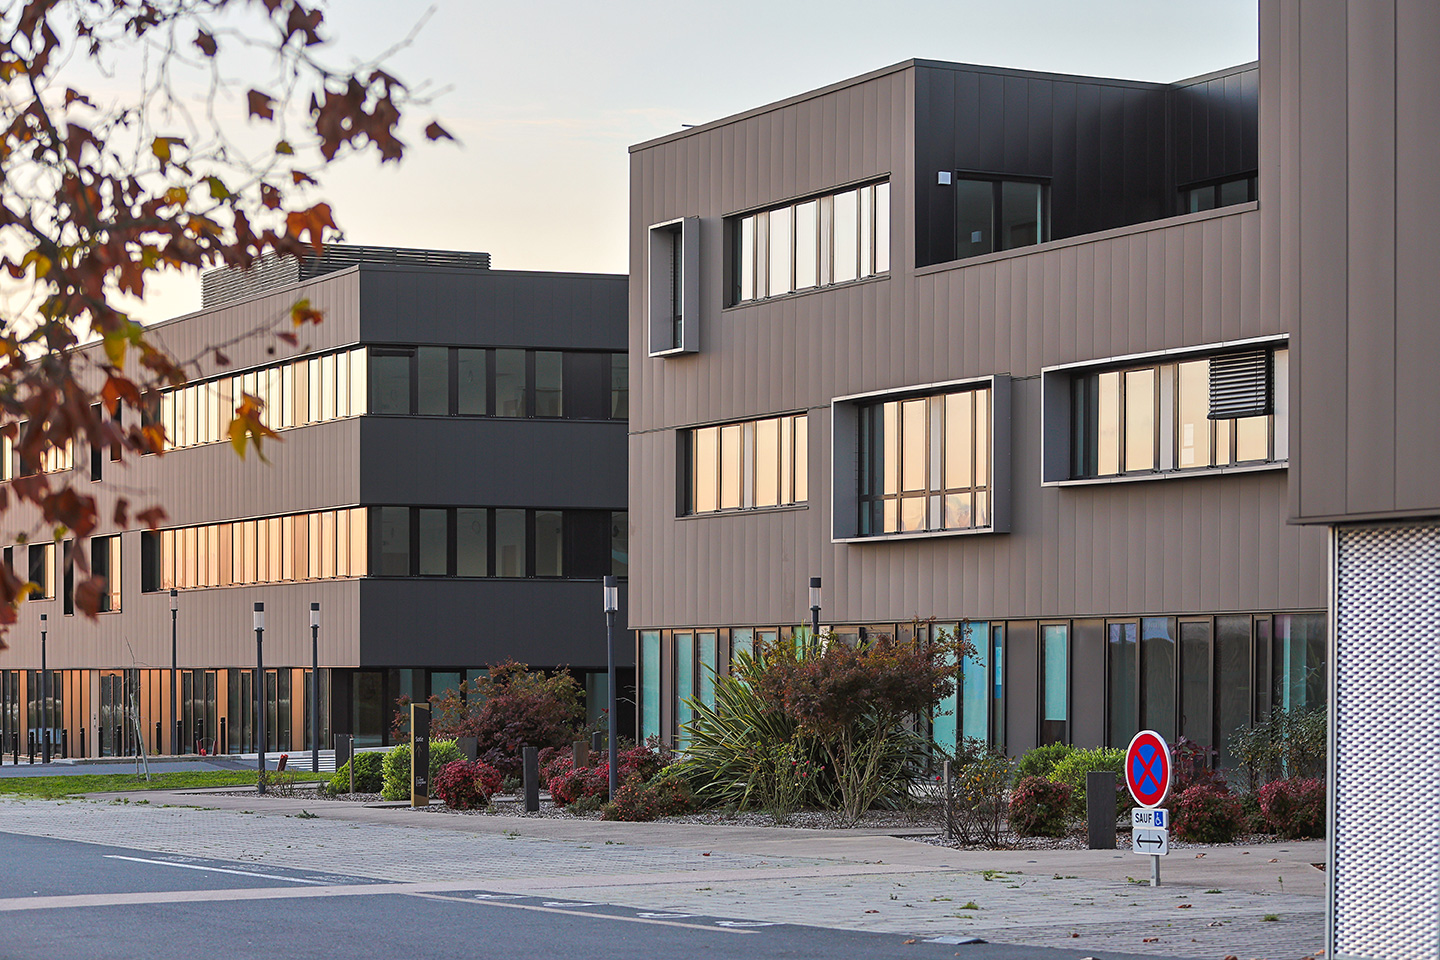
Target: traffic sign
(1157, 817)
(1150, 842)
(1147, 768)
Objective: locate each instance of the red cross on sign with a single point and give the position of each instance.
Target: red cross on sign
(1147, 768)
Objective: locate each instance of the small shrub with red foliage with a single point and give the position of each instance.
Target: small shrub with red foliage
(554, 761)
(577, 782)
(466, 785)
(1207, 813)
(1040, 807)
(1193, 764)
(639, 800)
(1294, 808)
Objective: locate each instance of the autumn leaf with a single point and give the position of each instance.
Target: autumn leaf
(436, 132)
(261, 105)
(206, 43)
(302, 313)
(247, 427)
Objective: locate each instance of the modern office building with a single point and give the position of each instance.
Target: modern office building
(992, 350)
(450, 490)
(1350, 142)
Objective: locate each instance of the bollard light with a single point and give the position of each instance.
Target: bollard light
(814, 609)
(612, 606)
(314, 688)
(260, 692)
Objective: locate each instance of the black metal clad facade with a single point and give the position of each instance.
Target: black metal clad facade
(1112, 152)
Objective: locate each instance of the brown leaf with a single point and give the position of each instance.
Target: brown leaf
(436, 132)
(1150, 940)
(1182, 906)
(206, 43)
(911, 940)
(121, 516)
(152, 517)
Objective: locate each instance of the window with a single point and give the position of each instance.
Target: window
(1217, 193)
(308, 546)
(510, 383)
(1172, 415)
(105, 564)
(619, 386)
(507, 382)
(1055, 683)
(993, 214)
(49, 459)
(816, 242)
(741, 466)
(924, 463)
(500, 542)
(40, 561)
(674, 292)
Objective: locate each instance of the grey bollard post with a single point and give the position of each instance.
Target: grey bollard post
(530, 763)
(344, 745)
(1100, 809)
(597, 741)
(580, 754)
(469, 746)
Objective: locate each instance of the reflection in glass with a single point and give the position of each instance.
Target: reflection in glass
(781, 250)
(1192, 411)
(913, 442)
(389, 384)
(1157, 676)
(845, 263)
(434, 376)
(958, 472)
(1252, 439)
(747, 258)
(649, 683)
(549, 544)
(975, 685)
(1108, 424)
(767, 463)
(619, 386)
(1140, 419)
(1232, 681)
(730, 437)
(434, 545)
(974, 212)
(867, 231)
(1021, 215)
(510, 383)
(1196, 707)
(471, 368)
(882, 227)
(707, 452)
(549, 383)
(472, 542)
(1124, 658)
(709, 652)
(510, 543)
(619, 543)
(394, 542)
(802, 458)
(1055, 683)
(684, 683)
(807, 266)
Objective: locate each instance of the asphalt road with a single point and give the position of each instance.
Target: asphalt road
(80, 900)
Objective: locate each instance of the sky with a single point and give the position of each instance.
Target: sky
(546, 97)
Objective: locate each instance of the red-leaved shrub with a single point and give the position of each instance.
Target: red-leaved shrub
(1040, 807)
(639, 800)
(1207, 813)
(577, 782)
(465, 785)
(1294, 808)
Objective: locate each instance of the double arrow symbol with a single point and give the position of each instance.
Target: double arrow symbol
(1150, 840)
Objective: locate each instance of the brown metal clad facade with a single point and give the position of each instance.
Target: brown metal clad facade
(1199, 544)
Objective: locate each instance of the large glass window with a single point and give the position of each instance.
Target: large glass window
(1197, 705)
(650, 678)
(433, 393)
(549, 383)
(1156, 418)
(433, 542)
(993, 215)
(925, 463)
(975, 685)
(510, 543)
(105, 563)
(1222, 193)
(549, 544)
(816, 242)
(472, 374)
(1157, 676)
(510, 383)
(1123, 654)
(1055, 683)
(41, 565)
(737, 466)
(684, 683)
(472, 542)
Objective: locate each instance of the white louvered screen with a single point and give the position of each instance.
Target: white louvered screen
(1385, 879)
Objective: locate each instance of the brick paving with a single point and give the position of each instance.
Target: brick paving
(859, 880)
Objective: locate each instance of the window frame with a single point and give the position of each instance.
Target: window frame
(997, 208)
(792, 455)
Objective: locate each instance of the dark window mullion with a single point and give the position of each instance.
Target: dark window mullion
(414, 541)
(414, 380)
(452, 549)
(489, 383)
(453, 368)
(529, 383)
(530, 536)
(491, 565)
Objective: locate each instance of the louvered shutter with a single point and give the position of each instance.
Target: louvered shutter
(1241, 385)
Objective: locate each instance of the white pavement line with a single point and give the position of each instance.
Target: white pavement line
(90, 900)
(192, 866)
(583, 913)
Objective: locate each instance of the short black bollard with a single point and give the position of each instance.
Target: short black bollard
(223, 744)
(344, 744)
(597, 741)
(1100, 809)
(30, 746)
(530, 762)
(469, 746)
(65, 744)
(159, 742)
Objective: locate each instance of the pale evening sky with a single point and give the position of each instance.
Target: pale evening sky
(547, 96)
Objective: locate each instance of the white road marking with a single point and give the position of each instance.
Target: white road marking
(193, 866)
(583, 913)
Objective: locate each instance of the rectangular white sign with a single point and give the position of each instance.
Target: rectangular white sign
(1150, 842)
(1157, 817)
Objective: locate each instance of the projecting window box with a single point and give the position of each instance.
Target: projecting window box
(1213, 409)
(929, 460)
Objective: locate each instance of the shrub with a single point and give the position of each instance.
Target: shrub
(1071, 771)
(1040, 808)
(1041, 760)
(977, 795)
(1207, 813)
(465, 785)
(1193, 764)
(282, 783)
(553, 762)
(509, 708)
(369, 774)
(396, 770)
(1294, 808)
(638, 800)
(1289, 744)
(577, 782)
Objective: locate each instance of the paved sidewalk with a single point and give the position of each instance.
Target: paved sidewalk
(1209, 906)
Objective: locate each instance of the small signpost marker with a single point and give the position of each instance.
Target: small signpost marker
(419, 754)
(1147, 774)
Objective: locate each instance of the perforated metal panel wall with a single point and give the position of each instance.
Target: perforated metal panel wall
(1385, 879)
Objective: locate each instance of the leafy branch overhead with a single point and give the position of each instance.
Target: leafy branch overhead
(102, 191)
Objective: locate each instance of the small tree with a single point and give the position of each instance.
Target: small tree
(853, 700)
(509, 708)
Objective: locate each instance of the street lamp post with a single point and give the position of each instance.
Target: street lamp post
(44, 698)
(612, 605)
(260, 690)
(814, 609)
(174, 674)
(314, 688)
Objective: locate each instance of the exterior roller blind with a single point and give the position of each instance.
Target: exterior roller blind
(1240, 385)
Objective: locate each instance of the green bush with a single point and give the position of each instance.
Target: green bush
(369, 774)
(1208, 813)
(1287, 745)
(396, 783)
(1040, 808)
(1040, 761)
(1071, 771)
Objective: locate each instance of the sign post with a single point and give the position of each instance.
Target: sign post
(419, 754)
(1147, 774)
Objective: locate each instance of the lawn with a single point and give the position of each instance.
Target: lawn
(51, 788)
